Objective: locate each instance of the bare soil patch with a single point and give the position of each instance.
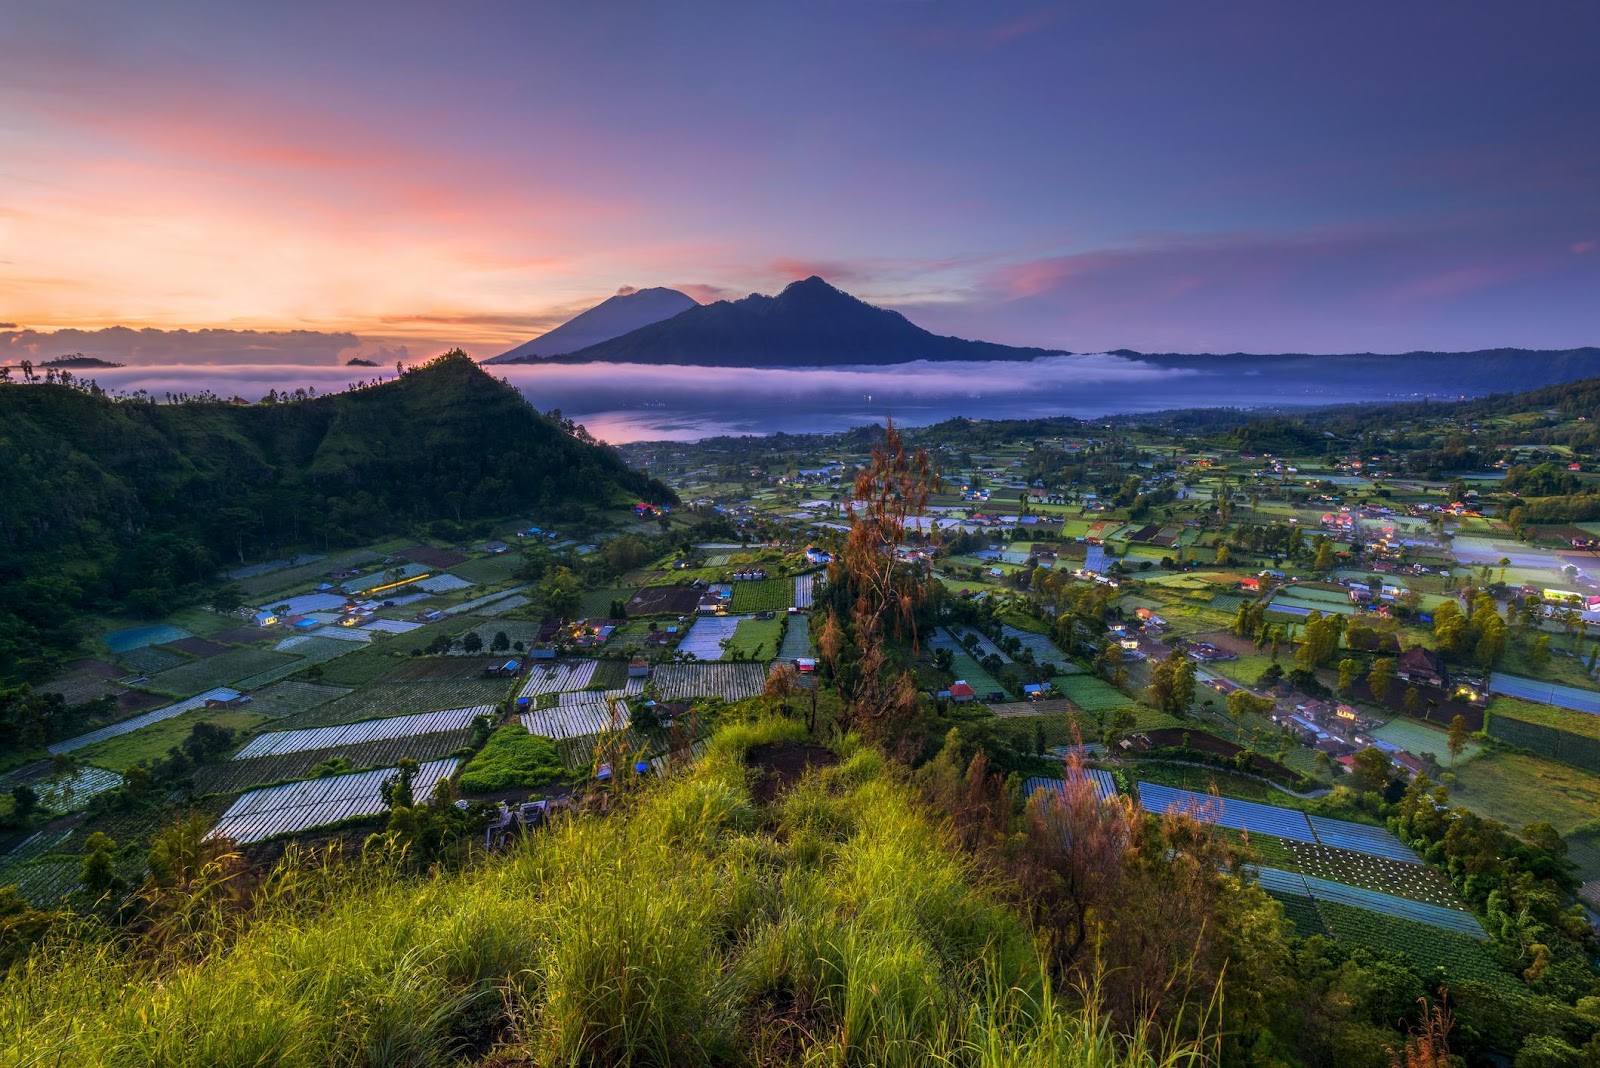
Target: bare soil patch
(242, 635)
(200, 648)
(428, 556)
(781, 764)
(664, 600)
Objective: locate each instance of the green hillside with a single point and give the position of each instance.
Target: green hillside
(837, 926)
(126, 504)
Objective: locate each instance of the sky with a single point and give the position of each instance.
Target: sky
(301, 182)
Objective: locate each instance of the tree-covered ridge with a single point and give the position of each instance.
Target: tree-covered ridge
(128, 504)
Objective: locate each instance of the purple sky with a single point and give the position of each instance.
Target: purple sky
(393, 178)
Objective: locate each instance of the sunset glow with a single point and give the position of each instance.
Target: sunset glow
(1073, 179)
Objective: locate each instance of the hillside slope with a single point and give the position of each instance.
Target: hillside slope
(125, 504)
(693, 927)
(809, 324)
(610, 318)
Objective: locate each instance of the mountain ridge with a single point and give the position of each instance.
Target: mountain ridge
(810, 323)
(616, 315)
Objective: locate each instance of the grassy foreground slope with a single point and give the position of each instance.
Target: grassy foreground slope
(837, 926)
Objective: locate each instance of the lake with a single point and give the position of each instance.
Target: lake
(630, 402)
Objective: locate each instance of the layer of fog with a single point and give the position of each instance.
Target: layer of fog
(630, 402)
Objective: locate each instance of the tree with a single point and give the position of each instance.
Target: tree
(500, 642)
(24, 800)
(560, 591)
(1324, 558)
(1412, 701)
(1370, 769)
(98, 873)
(396, 789)
(1347, 675)
(1457, 739)
(874, 596)
(1539, 653)
(1381, 678)
(471, 642)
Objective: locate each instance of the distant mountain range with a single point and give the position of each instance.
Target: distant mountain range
(812, 324)
(618, 315)
(809, 324)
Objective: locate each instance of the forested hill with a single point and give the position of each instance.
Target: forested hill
(127, 504)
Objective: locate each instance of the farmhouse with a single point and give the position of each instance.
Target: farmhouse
(961, 692)
(1419, 664)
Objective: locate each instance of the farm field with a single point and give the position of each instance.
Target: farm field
(705, 637)
(512, 757)
(405, 698)
(1419, 738)
(1461, 957)
(757, 639)
(558, 676)
(278, 810)
(152, 742)
(1323, 891)
(585, 715)
(1560, 719)
(1418, 882)
(1091, 694)
(1540, 691)
(151, 660)
(764, 595)
(278, 743)
(192, 678)
(1044, 650)
(232, 776)
(1519, 789)
(729, 681)
(796, 639)
(140, 722)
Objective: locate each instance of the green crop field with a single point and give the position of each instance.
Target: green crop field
(1461, 957)
(383, 699)
(756, 639)
(1420, 738)
(1519, 789)
(1091, 694)
(513, 757)
(766, 595)
(1560, 719)
(152, 742)
(232, 666)
(289, 698)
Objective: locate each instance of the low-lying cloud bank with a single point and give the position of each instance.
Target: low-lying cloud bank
(150, 347)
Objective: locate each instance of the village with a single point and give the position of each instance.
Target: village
(1194, 621)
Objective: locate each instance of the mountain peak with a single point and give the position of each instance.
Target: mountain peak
(626, 311)
(809, 324)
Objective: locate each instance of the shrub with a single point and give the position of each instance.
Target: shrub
(513, 757)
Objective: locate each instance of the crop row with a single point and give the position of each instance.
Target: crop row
(763, 595)
(384, 699)
(231, 776)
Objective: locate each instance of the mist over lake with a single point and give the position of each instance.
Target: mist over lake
(631, 402)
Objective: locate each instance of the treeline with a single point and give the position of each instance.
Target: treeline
(135, 506)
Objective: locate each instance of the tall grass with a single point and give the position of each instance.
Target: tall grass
(837, 927)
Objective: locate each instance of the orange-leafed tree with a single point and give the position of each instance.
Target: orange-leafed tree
(874, 595)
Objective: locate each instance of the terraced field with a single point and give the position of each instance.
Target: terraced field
(1091, 694)
(278, 743)
(278, 810)
(765, 595)
(224, 670)
(405, 698)
(729, 681)
(232, 776)
(291, 698)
